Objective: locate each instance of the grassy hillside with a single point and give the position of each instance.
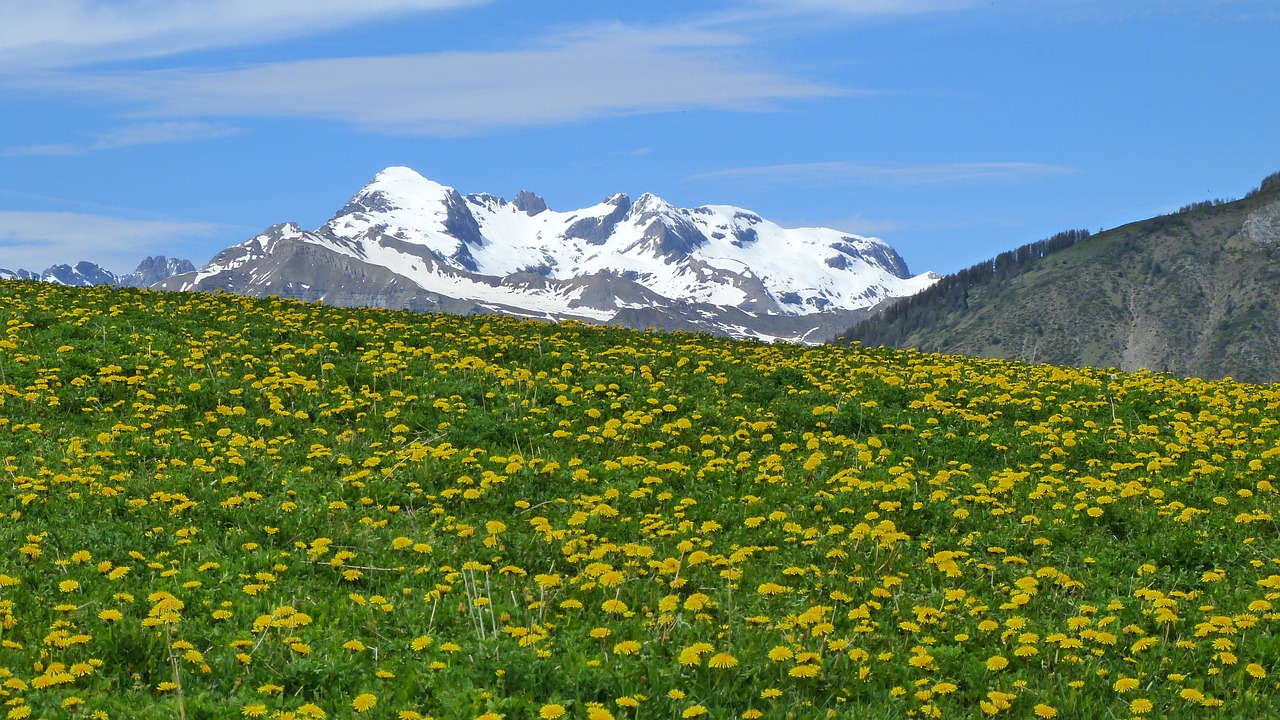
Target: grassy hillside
(217, 506)
(1192, 293)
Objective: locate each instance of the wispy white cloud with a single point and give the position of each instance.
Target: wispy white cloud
(58, 33)
(49, 149)
(824, 173)
(859, 225)
(36, 240)
(616, 73)
(862, 8)
(159, 133)
(152, 133)
(767, 17)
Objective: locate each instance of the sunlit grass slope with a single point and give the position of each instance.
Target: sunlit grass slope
(226, 507)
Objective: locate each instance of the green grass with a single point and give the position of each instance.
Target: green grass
(216, 506)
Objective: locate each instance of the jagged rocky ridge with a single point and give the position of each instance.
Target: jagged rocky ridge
(149, 272)
(406, 242)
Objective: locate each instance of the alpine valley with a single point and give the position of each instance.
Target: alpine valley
(406, 242)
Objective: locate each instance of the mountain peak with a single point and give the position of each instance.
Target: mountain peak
(529, 203)
(398, 173)
(649, 203)
(397, 188)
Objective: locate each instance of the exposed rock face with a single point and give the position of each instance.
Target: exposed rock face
(596, 230)
(19, 274)
(154, 269)
(528, 203)
(1263, 225)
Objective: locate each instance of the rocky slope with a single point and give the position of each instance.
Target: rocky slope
(1194, 293)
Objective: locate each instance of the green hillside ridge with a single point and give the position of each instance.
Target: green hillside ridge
(224, 507)
(1194, 293)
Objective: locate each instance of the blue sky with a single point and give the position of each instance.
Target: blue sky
(953, 129)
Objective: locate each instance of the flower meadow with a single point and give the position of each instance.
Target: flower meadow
(216, 506)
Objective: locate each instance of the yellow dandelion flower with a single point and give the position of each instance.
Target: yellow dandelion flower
(1143, 644)
(364, 702)
(551, 711)
(780, 653)
(1125, 684)
(1191, 695)
(803, 671)
(489, 716)
(694, 711)
(996, 663)
(254, 710)
(626, 647)
(1044, 711)
(1255, 670)
(614, 606)
(752, 714)
(770, 694)
(353, 645)
(1141, 706)
(722, 661)
(696, 602)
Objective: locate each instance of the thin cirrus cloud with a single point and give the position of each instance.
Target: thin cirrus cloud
(457, 93)
(153, 133)
(36, 240)
(59, 33)
(822, 173)
(863, 8)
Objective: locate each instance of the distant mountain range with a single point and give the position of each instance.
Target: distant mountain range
(1194, 293)
(149, 272)
(404, 241)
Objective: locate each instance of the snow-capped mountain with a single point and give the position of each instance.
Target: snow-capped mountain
(82, 274)
(154, 269)
(405, 241)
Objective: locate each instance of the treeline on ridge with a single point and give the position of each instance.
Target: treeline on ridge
(1270, 182)
(893, 324)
